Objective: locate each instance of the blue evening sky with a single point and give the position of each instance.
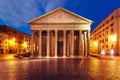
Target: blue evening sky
(17, 13)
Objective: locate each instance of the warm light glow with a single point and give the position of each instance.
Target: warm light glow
(112, 52)
(75, 37)
(103, 52)
(13, 39)
(113, 38)
(95, 43)
(25, 45)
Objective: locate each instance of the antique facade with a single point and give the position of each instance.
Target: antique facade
(105, 38)
(13, 41)
(60, 33)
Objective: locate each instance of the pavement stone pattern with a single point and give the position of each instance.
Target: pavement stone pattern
(60, 69)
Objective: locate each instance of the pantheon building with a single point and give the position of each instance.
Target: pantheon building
(60, 33)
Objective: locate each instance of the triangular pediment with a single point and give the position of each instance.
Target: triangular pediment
(60, 15)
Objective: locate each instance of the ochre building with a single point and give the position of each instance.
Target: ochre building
(60, 33)
(105, 38)
(13, 41)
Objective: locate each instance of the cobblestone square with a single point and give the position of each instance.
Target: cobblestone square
(60, 69)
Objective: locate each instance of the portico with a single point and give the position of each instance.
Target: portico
(60, 33)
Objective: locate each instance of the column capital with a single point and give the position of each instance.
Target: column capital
(32, 32)
(56, 31)
(88, 30)
(65, 30)
(85, 32)
(48, 30)
(40, 31)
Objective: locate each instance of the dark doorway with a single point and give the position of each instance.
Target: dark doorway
(1, 51)
(44, 46)
(60, 48)
(10, 51)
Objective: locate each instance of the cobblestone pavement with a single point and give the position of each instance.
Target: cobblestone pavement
(60, 69)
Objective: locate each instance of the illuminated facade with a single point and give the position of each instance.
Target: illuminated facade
(13, 41)
(105, 38)
(60, 33)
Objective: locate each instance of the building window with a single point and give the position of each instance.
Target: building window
(112, 24)
(112, 45)
(103, 24)
(107, 21)
(6, 50)
(103, 30)
(103, 41)
(107, 32)
(106, 39)
(100, 41)
(111, 29)
(112, 18)
(107, 27)
(106, 46)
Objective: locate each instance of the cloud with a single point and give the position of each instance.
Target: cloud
(19, 12)
(52, 4)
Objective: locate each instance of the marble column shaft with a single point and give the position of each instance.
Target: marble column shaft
(85, 44)
(48, 43)
(64, 43)
(88, 43)
(72, 45)
(56, 41)
(80, 42)
(40, 43)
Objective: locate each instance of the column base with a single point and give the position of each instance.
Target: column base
(31, 57)
(72, 56)
(47, 56)
(55, 56)
(38, 57)
(64, 56)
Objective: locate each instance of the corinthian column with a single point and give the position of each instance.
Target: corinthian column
(48, 43)
(85, 44)
(88, 43)
(64, 43)
(72, 45)
(56, 39)
(80, 42)
(32, 47)
(40, 44)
